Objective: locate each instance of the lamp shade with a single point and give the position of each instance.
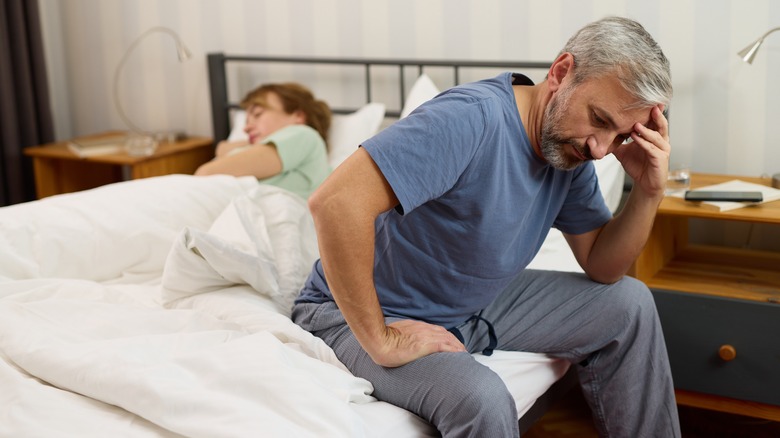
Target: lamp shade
(749, 53)
(182, 52)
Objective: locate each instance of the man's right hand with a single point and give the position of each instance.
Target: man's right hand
(408, 340)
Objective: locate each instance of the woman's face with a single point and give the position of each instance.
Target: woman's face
(262, 121)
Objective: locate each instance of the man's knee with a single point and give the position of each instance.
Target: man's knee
(473, 400)
(481, 392)
(630, 297)
(451, 390)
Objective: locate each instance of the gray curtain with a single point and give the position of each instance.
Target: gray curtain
(25, 113)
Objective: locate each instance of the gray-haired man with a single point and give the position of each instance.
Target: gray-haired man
(426, 230)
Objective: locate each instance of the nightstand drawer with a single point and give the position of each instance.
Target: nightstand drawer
(702, 330)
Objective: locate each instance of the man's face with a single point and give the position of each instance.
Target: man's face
(588, 121)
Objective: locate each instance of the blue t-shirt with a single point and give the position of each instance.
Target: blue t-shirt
(476, 204)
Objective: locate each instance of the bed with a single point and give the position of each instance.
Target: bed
(159, 307)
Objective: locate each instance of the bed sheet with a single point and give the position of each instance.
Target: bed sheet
(159, 307)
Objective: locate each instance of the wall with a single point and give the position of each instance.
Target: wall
(723, 116)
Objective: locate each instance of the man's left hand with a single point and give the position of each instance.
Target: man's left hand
(646, 159)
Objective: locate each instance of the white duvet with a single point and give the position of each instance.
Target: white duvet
(160, 307)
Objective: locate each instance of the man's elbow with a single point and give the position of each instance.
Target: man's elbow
(317, 203)
(604, 277)
(329, 206)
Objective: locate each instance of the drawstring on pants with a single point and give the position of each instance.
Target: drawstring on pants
(492, 339)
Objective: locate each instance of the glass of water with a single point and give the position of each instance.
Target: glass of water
(679, 179)
(140, 145)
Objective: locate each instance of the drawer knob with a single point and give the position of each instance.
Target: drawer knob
(727, 352)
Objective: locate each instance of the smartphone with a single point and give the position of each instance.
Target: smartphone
(709, 195)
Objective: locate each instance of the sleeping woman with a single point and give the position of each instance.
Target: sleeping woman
(287, 128)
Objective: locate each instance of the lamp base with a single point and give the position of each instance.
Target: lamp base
(776, 180)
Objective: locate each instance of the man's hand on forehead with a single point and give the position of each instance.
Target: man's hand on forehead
(652, 123)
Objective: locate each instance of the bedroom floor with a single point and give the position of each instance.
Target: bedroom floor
(570, 418)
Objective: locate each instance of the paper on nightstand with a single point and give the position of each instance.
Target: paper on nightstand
(769, 193)
(92, 146)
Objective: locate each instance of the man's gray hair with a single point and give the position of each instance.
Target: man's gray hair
(622, 45)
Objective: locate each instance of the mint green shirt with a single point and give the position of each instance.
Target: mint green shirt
(304, 159)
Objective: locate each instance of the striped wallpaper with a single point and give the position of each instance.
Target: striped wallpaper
(723, 117)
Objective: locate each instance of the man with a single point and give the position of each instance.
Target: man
(425, 231)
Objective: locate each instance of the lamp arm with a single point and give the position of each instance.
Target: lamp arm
(768, 32)
(182, 53)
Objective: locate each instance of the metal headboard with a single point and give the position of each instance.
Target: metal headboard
(221, 105)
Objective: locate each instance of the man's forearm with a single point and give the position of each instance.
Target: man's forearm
(623, 238)
(344, 209)
(346, 242)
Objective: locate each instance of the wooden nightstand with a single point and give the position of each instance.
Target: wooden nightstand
(58, 170)
(719, 307)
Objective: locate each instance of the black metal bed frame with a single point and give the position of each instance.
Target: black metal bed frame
(221, 105)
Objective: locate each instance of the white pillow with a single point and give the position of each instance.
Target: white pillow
(422, 91)
(239, 121)
(347, 131)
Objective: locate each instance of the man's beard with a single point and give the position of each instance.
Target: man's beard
(553, 143)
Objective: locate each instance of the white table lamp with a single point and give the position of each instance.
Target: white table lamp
(181, 51)
(748, 53)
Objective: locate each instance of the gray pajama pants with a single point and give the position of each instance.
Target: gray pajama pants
(610, 332)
